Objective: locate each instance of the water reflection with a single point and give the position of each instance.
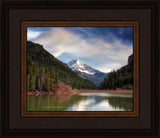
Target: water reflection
(121, 103)
(81, 102)
(104, 102)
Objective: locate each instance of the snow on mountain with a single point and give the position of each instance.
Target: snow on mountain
(87, 72)
(77, 65)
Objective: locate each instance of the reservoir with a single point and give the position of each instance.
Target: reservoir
(90, 101)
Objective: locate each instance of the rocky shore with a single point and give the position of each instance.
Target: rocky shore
(60, 89)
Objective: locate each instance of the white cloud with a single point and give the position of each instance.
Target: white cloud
(108, 55)
(109, 67)
(33, 34)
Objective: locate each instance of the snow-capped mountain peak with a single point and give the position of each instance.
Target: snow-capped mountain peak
(78, 65)
(87, 72)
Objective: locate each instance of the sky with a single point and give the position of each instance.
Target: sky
(103, 48)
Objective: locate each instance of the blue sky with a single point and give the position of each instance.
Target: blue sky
(104, 48)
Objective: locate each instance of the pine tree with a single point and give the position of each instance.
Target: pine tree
(39, 84)
(32, 83)
(47, 84)
(28, 82)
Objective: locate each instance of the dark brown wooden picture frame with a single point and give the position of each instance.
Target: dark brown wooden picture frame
(144, 122)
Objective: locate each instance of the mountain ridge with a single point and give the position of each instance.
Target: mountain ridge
(86, 71)
(78, 65)
(44, 70)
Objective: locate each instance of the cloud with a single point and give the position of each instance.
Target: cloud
(109, 67)
(103, 55)
(33, 34)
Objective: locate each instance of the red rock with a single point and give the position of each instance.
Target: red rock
(63, 90)
(60, 89)
(30, 93)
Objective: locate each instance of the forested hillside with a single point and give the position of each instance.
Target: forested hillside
(44, 70)
(121, 78)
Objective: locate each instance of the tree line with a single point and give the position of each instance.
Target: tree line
(121, 78)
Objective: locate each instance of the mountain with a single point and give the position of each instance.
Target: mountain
(87, 72)
(121, 78)
(77, 65)
(44, 71)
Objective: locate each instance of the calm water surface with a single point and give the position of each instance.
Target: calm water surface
(81, 102)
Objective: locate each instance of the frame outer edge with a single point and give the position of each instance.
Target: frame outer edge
(1, 64)
(2, 41)
(157, 98)
(158, 62)
(2, 69)
(155, 68)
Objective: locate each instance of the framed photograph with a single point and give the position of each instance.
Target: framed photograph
(80, 68)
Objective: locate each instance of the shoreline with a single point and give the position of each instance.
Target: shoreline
(80, 91)
(40, 93)
(104, 91)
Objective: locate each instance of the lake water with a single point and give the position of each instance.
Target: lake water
(81, 102)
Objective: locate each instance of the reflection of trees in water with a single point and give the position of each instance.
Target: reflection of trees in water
(121, 102)
(50, 103)
(55, 103)
(69, 102)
